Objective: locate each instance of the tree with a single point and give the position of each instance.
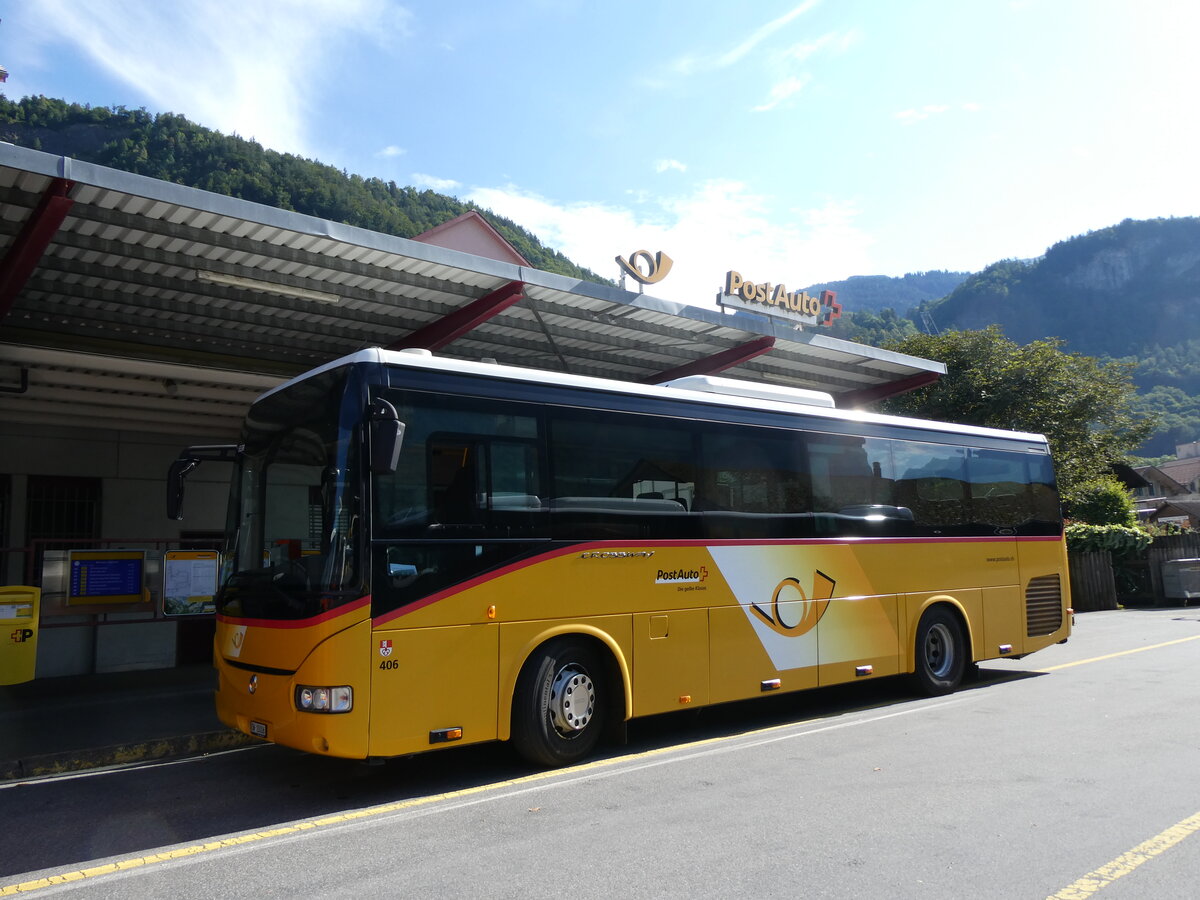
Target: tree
(1083, 406)
(875, 329)
(1101, 501)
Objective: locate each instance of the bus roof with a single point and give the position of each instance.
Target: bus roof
(423, 359)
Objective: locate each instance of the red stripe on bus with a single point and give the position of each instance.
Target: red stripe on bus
(298, 623)
(624, 545)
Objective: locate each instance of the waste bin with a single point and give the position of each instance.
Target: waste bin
(1181, 579)
(19, 607)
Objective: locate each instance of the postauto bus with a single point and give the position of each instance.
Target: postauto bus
(425, 552)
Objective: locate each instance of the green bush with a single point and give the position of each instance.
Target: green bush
(1119, 540)
(1103, 500)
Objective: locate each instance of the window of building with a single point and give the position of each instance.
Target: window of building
(60, 513)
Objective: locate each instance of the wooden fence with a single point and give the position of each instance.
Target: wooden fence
(1095, 578)
(1093, 585)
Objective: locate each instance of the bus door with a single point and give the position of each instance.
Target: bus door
(470, 505)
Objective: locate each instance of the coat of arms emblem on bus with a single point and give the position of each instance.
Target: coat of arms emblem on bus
(385, 648)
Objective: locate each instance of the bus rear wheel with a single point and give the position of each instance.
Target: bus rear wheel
(559, 704)
(941, 652)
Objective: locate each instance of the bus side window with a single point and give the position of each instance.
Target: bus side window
(754, 484)
(453, 481)
(1045, 513)
(621, 477)
(854, 487)
(1000, 495)
(932, 482)
(484, 484)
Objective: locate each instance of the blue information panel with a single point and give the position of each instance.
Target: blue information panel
(106, 576)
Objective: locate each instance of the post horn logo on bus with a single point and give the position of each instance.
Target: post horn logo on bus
(776, 300)
(793, 612)
(655, 267)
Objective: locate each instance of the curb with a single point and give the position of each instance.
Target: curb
(122, 754)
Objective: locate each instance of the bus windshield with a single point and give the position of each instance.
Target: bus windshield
(293, 547)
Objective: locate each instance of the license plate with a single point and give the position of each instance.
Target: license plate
(258, 729)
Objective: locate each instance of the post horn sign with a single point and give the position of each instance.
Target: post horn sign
(644, 268)
(775, 300)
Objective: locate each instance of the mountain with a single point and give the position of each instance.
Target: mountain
(170, 147)
(878, 292)
(1119, 291)
(1129, 292)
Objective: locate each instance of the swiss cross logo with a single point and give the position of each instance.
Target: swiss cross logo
(385, 648)
(21, 635)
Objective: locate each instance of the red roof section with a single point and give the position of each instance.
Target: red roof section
(471, 233)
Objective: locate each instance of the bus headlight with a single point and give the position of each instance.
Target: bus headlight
(338, 699)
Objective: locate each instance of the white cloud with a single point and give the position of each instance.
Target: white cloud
(762, 33)
(420, 179)
(391, 150)
(667, 165)
(781, 91)
(720, 225)
(912, 116)
(240, 68)
(691, 63)
(834, 41)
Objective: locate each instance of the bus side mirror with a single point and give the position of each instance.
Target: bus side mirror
(386, 436)
(179, 471)
(182, 467)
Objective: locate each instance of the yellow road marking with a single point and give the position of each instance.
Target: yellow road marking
(1080, 662)
(1127, 862)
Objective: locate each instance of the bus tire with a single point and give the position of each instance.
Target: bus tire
(560, 703)
(941, 652)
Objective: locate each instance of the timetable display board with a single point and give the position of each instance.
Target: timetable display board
(106, 576)
(190, 582)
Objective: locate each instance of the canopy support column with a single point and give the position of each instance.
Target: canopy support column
(882, 391)
(29, 247)
(450, 328)
(718, 362)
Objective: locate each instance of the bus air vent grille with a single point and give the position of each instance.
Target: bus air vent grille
(1043, 605)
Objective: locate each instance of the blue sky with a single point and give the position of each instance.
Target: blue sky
(793, 141)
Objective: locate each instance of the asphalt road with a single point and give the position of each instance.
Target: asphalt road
(1072, 773)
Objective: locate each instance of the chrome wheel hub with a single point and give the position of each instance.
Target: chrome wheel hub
(572, 700)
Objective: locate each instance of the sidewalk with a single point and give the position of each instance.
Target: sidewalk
(55, 725)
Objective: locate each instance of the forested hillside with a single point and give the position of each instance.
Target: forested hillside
(170, 147)
(1129, 292)
(879, 292)
(1122, 290)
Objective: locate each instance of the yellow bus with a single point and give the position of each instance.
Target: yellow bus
(426, 552)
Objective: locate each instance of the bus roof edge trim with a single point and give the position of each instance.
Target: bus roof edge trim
(711, 384)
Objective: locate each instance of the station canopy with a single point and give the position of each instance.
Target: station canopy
(134, 303)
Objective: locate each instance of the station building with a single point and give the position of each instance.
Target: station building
(138, 317)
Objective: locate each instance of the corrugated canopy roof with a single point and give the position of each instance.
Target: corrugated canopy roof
(137, 303)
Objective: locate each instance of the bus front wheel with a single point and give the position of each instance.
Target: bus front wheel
(559, 704)
(941, 652)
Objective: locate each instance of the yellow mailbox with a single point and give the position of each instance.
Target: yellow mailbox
(19, 607)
